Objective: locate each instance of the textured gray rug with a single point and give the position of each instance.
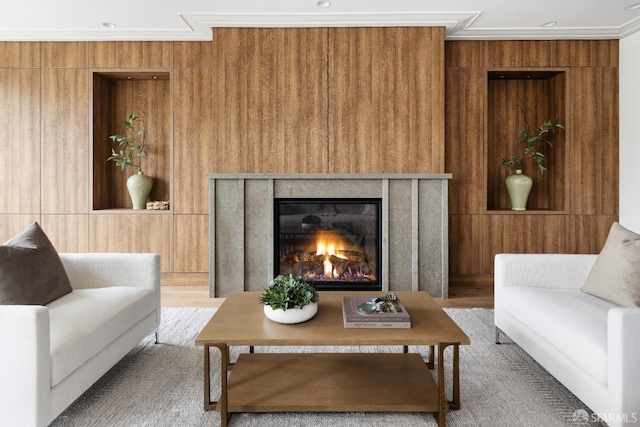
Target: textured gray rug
(161, 385)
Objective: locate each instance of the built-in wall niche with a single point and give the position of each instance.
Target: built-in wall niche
(519, 99)
(115, 95)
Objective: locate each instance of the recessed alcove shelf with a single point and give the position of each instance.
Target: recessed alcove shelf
(115, 95)
(521, 99)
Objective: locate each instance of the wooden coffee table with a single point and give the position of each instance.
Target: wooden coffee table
(330, 382)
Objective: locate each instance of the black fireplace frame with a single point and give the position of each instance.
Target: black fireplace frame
(334, 285)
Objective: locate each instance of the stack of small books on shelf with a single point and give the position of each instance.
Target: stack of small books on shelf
(375, 312)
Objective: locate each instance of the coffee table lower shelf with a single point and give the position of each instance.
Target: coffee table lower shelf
(334, 382)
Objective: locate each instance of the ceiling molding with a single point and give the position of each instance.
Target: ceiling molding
(197, 27)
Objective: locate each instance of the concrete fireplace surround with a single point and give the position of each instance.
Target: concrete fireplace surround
(414, 226)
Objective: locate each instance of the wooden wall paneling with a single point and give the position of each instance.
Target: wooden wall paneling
(425, 50)
(506, 106)
(593, 53)
(65, 54)
(100, 147)
(12, 224)
(129, 54)
(588, 233)
(261, 74)
(194, 155)
(353, 141)
(264, 121)
(159, 129)
(191, 254)
(551, 53)
(68, 233)
(524, 234)
(65, 141)
(466, 244)
(228, 109)
(464, 54)
(192, 54)
(20, 131)
(19, 54)
(464, 130)
(306, 101)
(557, 173)
(386, 94)
(593, 133)
(523, 53)
(133, 233)
(265, 100)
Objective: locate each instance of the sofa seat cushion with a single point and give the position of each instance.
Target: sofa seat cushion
(574, 322)
(86, 321)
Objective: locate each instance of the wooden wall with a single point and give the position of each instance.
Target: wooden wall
(339, 100)
(578, 197)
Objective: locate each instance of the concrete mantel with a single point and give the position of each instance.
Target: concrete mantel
(414, 226)
(329, 176)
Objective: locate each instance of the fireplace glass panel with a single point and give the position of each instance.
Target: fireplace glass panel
(333, 243)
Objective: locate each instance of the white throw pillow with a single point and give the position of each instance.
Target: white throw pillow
(615, 275)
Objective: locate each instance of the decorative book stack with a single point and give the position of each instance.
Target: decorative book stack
(372, 312)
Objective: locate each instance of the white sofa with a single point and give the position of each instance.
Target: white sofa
(51, 354)
(590, 345)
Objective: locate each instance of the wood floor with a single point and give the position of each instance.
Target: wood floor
(466, 295)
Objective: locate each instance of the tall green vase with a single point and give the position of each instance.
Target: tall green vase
(139, 187)
(519, 186)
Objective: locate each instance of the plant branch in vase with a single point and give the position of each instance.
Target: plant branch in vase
(130, 153)
(519, 185)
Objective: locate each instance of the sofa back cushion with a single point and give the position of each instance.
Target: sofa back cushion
(615, 275)
(31, 272)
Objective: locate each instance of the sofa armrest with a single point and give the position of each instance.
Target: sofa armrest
(25, 388)
(624, 361)
(556, 271)
(100, 270)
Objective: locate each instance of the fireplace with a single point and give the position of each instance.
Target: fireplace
(333, 243)
(412, 227)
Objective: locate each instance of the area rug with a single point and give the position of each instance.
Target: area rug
(161, 385)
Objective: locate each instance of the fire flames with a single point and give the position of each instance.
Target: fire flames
(330, 256)
(330, 244)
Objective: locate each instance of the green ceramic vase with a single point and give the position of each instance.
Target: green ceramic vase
(139, 187)
(519, 186)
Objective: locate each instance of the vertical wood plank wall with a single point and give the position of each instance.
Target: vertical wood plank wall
(581, 187)
(339, 100)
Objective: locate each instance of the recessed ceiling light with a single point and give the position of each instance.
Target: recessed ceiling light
(549, 24)
(109, 25)
(633, 6)
(324, 3)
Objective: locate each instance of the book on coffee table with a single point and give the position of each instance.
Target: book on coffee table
(367, 312)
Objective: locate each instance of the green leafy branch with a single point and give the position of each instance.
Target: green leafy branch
(131, 149)
(533, 143)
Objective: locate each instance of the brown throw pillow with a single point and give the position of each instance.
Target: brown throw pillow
(615, 275)
(31, 272)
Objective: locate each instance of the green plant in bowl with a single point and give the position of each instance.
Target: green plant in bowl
(289, 292)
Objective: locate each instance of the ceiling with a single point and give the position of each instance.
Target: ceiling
(45, 20)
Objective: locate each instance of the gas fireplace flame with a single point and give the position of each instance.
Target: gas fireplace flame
(330, 244)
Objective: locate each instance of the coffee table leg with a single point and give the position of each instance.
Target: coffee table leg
(444, 404)
(431, 363)
(454, 404)
(221, 404)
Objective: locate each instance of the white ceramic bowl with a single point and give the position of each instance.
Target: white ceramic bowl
(291, 315)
